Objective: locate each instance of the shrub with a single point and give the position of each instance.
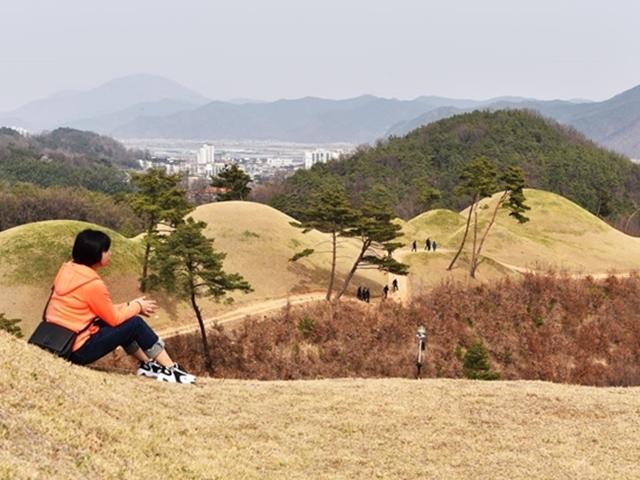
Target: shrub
(591, 336)
(306, 326)
(476, 363)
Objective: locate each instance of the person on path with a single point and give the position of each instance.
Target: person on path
(367, 294)
(385, 291)
(80, 301)
(414, 246)
(359, 293)
(394, 285)
(427, 245)
(434, 245)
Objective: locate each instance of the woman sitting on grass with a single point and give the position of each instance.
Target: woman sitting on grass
(81, 302)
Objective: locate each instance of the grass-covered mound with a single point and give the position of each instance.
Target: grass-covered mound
(60, 421)
(559, 234)
(439, 225)
(259, 241)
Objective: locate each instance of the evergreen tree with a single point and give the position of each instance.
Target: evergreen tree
(159, 199)
(374, 228)
(235, 181)
(478, 180)
(187, 266)
(10, 325)
(475, 363)
(511, 184)
(329, 212)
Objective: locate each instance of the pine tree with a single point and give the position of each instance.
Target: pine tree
(478, 181)
(476, 363)
(10, 325)
(329, 212)
(235, 181)
(187, 266)
(511, 184)
(374, 228)
(159, 199)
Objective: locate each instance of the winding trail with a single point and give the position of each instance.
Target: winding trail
(260, 308)
(403, 295)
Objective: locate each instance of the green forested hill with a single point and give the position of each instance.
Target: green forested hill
(554, 158)
(64, 157)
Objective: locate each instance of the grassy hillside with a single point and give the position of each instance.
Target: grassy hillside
(259, 242)
(60, 421)
(66, 158)
(31, 255)
(439, 224)
(560, 235)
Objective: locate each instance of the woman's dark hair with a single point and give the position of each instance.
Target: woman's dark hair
(89, 246)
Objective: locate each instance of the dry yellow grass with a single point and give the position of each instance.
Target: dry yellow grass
(429, 269)
(259, 241)
(560, 236)
(59, 421)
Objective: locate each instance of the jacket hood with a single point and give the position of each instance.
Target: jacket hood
(72, 276)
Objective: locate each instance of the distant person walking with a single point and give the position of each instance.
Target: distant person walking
(80, 301)
(366, 295)
(414, 246)
(385, 291)
(427, 245)
(434, 245)
(394, 285)
(360, 293)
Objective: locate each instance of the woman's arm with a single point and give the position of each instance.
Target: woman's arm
(100, 303)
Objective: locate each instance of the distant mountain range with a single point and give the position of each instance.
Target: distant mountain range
(108, 105)
(151, 106)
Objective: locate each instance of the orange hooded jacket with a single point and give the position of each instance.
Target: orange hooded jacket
(79, 296)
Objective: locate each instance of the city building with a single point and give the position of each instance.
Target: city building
(319, 155)
(206, 155)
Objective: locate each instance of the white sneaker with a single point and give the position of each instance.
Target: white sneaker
(175, 374)
(149, 369)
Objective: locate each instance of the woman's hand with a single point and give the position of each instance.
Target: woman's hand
(147, 306)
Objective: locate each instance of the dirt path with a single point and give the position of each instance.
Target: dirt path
(403, 295)
(266, 306)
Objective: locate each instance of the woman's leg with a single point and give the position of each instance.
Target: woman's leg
(162, 358)
(134, 331)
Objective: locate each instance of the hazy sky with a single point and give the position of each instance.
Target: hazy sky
(269, 49)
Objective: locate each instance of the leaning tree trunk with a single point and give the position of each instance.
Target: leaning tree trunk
(472, 266)
(345, 285)
(203, 333)
(333, 265)
(464, 237)
(476, 255)
(628, 222)
(145, 261)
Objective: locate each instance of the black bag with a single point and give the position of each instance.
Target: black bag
(53, 337)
